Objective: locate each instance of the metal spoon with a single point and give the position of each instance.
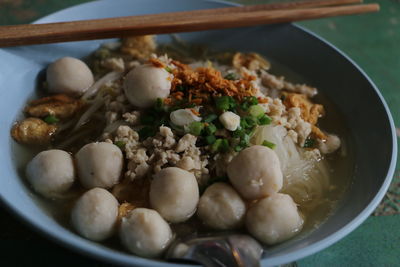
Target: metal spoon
(217, 251)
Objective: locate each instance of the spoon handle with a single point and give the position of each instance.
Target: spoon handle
(218, 251)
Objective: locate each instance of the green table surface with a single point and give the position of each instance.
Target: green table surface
(372, 41)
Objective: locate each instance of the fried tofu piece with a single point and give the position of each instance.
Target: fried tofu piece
(251, 61)
(140, 47)
(33, 131)
(310, 112)
(60, 106)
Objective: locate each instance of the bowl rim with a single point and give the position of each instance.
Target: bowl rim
(109, 255)
(367, 211)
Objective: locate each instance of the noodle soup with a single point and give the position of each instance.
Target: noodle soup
(194, 144)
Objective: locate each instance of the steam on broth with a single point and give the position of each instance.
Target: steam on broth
(194, 140)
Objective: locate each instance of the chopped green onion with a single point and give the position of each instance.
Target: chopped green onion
(225, 103)
(224, 147)
(248, 122)
(238, 148)
(51, 119)
(146, 132)
(245, 106)
(248, 101)
(120, 144)
(243, 124)
(264, 120)
(196, 127)
(222, 103)
(168, 69)
(210, 139)
(256, 111)
(246, 138)
(251, 132)
(239, 133)
(210, 118)
(216, 145)
(244, 141)
(309, 143)
(268, 144)
(252, 100)
(211, 128)
(230, 76)
(221, 145)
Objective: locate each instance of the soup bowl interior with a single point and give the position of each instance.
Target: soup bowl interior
(364, 111)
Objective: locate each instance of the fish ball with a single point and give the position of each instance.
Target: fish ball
(145, 83)
(95, 214)
(99, 165)
(255, 172)
(51, 172)
(145, 233)
(274, 219)
(69, 76)
(174, 193)
(220, 207)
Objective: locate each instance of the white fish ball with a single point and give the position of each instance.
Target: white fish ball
(145, 83)
(95, 214)
(99, 165)
(220, 207)
(145, 233)
(70, 76)
(51, 172)
(174, 193)
(274, 219)
(255, 172)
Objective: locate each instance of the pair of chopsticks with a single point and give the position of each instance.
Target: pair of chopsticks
(186, 21)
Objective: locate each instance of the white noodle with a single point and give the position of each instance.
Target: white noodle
(306, 180)
(109, 77)
(97, 104)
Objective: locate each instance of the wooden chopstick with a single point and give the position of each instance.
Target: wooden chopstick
(270, 6)
(174, 22)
